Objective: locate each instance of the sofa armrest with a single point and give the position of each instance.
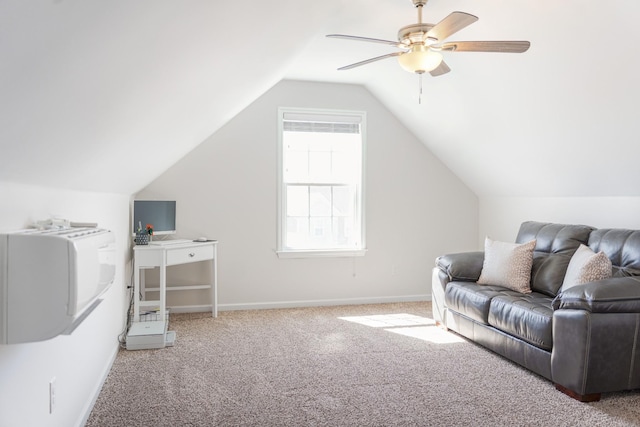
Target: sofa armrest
(614, 295)
(464, 266)
(595, 353)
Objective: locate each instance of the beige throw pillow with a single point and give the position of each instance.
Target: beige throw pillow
(586, 266)
(508, 265)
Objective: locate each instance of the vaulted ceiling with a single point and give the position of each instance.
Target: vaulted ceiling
(105, 95)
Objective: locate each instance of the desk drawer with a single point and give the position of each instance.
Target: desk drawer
(191, 254)
(146, 258)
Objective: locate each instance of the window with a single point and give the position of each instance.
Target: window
(320, 189)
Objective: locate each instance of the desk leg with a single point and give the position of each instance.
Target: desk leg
(214, 285)
(136, 294)
(143, 284)
(163, 285)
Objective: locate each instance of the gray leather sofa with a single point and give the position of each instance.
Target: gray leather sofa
(586, 339)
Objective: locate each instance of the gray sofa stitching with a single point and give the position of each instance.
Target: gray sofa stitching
(633, 352)
(587, 347)
(565, 301)
(624, 244)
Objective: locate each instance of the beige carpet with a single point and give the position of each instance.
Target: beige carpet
(366, 365)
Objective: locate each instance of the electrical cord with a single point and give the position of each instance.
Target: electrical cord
(122, 338)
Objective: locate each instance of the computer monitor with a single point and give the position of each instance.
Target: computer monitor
(161, 214)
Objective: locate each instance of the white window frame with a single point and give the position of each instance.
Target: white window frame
(281, 250)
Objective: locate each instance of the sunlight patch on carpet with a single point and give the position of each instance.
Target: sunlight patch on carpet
(408, 325)
(390, 320)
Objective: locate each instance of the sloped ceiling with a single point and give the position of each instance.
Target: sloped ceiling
(105, 95)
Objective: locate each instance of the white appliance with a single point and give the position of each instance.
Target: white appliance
(51, 280)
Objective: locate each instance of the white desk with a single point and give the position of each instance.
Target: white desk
(163, 256)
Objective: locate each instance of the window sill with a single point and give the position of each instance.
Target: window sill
(321, 253)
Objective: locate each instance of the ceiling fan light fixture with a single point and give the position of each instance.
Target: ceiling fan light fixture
(420, 59)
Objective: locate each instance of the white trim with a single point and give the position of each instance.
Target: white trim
(307, 113)
(281, 203)
(98, 389)
(321, 253)
(323, 302)
(304, 115)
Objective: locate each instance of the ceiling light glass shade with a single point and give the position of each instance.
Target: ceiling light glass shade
(420, 59)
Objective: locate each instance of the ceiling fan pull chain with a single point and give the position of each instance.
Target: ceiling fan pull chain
(420, 88)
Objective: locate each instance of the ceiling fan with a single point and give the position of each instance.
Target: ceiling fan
(420, 44)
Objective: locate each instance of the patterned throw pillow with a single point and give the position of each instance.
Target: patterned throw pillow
(508, 265)
(586, 266)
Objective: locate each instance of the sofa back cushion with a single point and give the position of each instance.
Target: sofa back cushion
(555, 244)
(621, 246)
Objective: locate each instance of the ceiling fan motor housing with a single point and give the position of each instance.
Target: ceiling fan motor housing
(416, 33)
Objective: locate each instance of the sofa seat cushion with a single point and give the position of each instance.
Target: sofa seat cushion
(525, 316)
(473, 300)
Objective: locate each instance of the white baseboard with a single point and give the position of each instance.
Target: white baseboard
(323, 302)
(98, 389)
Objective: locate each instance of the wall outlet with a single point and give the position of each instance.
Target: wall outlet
(52, 395)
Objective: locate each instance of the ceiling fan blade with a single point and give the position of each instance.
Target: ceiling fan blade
(366, 39)
(442, 69)
(487, 46)
(453, 23)
(370, 60)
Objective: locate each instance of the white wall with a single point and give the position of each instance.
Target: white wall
(79, 361)
(500, 217)
(416, 209)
